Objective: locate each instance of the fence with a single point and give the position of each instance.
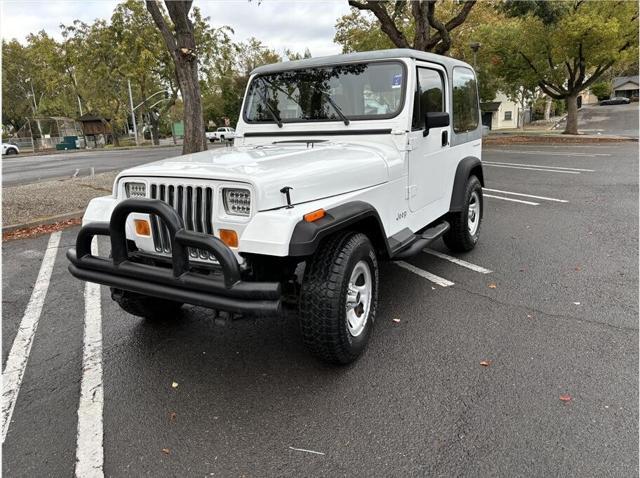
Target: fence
(23, 144)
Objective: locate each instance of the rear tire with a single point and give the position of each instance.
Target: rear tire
(150, 308)
(465, 225)
(339, 296)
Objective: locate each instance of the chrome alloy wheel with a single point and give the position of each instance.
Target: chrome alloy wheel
(359, 298)
(473, 219)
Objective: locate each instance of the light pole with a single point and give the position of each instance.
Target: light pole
(75, 84)
(133, 114)
(134, 108)
(35, 106)
(475, 46)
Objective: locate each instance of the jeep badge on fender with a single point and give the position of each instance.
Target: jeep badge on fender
(337, 163)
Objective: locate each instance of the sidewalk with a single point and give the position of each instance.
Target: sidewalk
(549, 136)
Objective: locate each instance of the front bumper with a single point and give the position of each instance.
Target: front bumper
(225, 291)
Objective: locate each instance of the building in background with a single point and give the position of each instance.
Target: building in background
(626, 86)
(502, 113)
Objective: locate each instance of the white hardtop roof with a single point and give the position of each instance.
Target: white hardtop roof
(394, 53)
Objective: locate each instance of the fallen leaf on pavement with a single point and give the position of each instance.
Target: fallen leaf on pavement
(485, 363)
(397, 321)
(577, 268)
(166, 451)
(493, 286)
(565, 398)
(173, 416)
(174, 384)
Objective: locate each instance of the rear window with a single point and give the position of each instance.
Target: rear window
(465, 100)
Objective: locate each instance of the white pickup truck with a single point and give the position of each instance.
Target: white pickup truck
(221, 134)
(338, 163)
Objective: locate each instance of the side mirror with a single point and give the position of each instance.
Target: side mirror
(435, 120)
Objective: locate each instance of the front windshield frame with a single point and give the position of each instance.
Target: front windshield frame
(398, 111)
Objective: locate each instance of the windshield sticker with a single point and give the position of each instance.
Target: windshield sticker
(397, 81)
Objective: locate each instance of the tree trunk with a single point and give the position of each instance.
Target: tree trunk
(547, 108)
(182, 47)
(572, 114)
(155, 128)
(194, 137)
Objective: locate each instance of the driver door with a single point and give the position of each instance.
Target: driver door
(430, 150)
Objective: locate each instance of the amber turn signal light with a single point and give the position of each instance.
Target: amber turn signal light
(229, 237)
(142, 227)
(315, 215)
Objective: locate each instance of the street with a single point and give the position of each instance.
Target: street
(25, 169)
(621, 120)
(547, 302)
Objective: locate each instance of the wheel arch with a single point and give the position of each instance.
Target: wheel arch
(469, 166)
(357, 216)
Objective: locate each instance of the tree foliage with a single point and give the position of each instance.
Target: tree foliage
(563, 47)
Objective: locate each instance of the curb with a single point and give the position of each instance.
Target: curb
(43, 221)
(554, 139)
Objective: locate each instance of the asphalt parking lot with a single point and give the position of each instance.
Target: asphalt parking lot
(547, 301)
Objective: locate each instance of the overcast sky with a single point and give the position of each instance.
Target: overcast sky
(280, 24)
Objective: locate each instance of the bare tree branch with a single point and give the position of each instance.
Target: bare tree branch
(387, 25)
(158, 18)
(421, 35)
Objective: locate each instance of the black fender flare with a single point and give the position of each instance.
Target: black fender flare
(306, 236)
(466, 167)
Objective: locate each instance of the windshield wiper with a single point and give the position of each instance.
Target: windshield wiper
(273, 112)
(335, 107)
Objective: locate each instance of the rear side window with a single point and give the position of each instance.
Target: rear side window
(430, 95)
(465, 100)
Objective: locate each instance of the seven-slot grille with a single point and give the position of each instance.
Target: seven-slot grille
(194, 205)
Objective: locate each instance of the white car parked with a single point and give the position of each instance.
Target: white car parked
(338, 163)
(8, 148)
(221, 134)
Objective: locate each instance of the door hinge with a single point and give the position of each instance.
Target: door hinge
(412, 143)
(412, 190)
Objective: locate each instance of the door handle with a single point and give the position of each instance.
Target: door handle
(445, 138)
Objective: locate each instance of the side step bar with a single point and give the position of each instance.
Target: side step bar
(423, 240)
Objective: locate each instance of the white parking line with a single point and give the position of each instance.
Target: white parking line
(529, 169)
(525, 195)
(427, 275)
(89, 449)
(512, 200)
(563, 168)
(457, 261)
(549, 153)
(21, 348)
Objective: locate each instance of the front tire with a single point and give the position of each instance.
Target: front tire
(339, 298)
(150, 308)
(11, 151)
(465, 224)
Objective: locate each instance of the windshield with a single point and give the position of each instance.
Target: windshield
(332, 93)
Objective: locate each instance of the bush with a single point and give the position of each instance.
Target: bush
(602, 90)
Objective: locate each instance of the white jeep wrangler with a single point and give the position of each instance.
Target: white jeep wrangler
(338, 162)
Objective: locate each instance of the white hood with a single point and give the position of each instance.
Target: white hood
(313, 171)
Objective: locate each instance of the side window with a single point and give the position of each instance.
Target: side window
(507, 115)
(430, 95)
(465, 100)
